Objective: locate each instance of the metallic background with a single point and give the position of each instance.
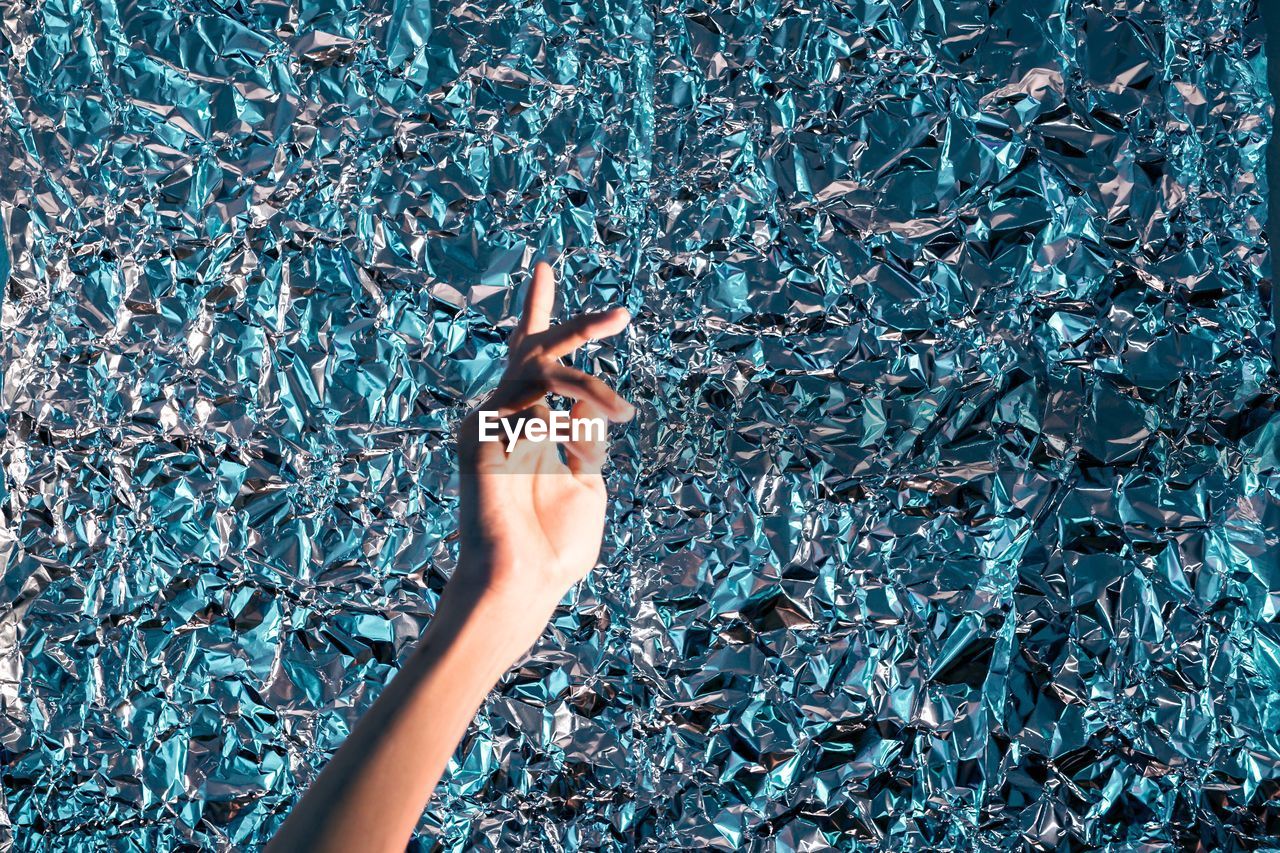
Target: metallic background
(951, 519)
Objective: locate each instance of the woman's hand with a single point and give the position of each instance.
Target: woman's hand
(531, 524)
(530, 527)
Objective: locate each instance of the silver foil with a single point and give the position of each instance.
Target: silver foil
(950, 517)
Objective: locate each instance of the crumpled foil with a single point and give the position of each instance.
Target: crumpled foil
(951, 519)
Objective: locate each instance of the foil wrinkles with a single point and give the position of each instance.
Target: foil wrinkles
(950, 517)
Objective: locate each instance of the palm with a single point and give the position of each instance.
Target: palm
(551, 519)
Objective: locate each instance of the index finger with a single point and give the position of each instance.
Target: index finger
(538, 301)
(578, 330)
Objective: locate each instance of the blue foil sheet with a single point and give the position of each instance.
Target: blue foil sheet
(951, 519)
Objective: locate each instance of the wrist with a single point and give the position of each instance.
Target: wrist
(498, 614)
(507, 582)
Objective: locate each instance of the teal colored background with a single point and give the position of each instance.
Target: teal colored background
(950, 517)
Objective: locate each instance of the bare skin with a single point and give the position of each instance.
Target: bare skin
(530, 528)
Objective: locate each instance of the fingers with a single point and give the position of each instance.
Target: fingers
(513, 452)
(514, 395)
(539, 301)
(568, 336)
(577, 385)
(535, 370)
(586, 451)
(519, 394)
(525, 455)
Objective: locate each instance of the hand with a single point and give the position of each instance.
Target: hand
(531, 525)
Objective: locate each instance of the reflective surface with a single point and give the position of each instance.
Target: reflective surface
(950, 517)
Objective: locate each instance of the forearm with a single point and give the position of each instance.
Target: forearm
(530, 525)
(372, 793)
